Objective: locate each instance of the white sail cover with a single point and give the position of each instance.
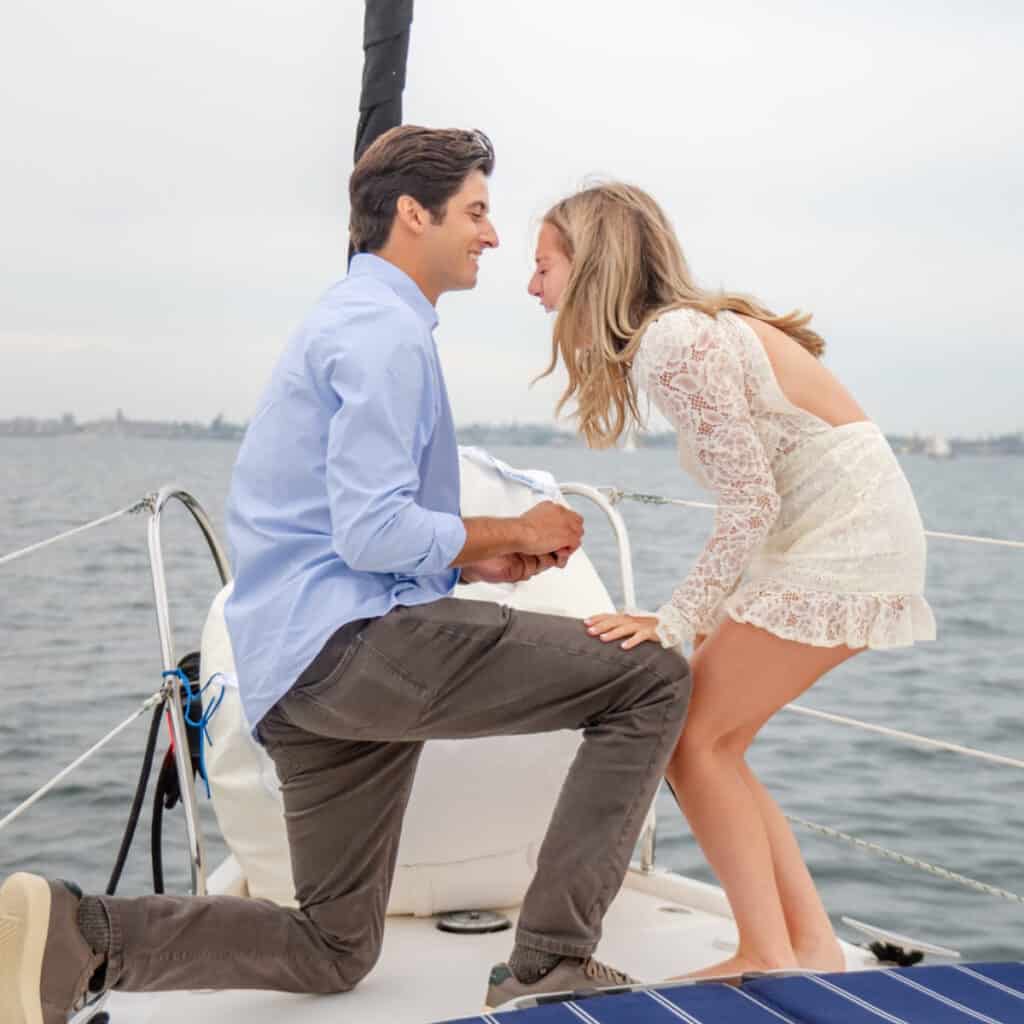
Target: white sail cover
(470, 838)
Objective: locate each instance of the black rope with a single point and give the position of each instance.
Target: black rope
(168, 789)
(140, 792)
(168, 786)
(890, 953)
(162, 798)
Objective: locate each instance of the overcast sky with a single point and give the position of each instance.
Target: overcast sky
(173, 186)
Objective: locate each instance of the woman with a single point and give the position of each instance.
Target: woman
(817, 552)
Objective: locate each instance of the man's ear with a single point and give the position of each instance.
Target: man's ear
(411, 215)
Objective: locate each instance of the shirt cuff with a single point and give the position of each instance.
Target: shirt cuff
(449, 540)
(673, 629)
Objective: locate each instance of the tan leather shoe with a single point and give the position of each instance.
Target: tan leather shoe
(45, 964)
(568, 975)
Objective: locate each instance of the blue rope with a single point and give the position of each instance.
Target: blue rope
(203, 722)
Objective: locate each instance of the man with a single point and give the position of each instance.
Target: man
(347, 541)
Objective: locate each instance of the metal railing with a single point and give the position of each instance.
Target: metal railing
(606, 498)
(197, 860)
(155, 504)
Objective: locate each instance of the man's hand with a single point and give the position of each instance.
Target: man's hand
(510, 568)
(549, 528)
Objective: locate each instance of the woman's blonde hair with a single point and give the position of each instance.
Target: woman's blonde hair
(627, 269)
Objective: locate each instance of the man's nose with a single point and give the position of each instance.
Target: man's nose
(490, 236)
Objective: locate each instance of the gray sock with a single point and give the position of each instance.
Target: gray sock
(530, 965)
(94, 924)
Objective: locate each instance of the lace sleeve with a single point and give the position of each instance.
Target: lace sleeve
(693, 373)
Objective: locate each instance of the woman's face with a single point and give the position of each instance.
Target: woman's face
(553, 266)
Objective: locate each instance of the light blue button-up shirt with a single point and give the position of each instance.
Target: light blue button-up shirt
(344, 500)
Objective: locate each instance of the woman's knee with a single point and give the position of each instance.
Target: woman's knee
(707, 741)
(695, 753)
(737, 742)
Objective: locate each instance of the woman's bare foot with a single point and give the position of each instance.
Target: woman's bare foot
(735, 965)
(825, 956)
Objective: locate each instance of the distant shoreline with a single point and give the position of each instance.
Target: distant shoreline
(491, 434)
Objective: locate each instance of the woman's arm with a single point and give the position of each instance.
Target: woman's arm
(695, 376)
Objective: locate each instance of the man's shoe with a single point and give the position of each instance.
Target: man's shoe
(568, 975)
(45, 963)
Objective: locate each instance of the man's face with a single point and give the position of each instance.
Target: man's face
(455, 245)
(553, 267)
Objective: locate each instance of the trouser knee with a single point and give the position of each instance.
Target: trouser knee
(674, 671)
(352, 966)
(345, 955)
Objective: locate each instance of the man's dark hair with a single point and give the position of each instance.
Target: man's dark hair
(429, 164)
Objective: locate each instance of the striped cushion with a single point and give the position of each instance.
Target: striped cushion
(985, 993)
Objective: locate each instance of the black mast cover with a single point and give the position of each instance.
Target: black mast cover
(386, 48)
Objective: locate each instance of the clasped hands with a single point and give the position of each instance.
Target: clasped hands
(547, 534)
(513, 568)
(552, 533)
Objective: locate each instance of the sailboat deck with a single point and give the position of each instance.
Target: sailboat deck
(660, 925)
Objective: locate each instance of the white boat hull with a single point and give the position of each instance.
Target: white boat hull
(661, 924)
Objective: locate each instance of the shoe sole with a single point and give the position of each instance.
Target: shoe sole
(24, 924)
(567, 994)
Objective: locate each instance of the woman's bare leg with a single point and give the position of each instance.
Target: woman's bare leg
(810, 930)
(742, 675)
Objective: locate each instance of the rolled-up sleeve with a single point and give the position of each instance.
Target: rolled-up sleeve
(388, 411)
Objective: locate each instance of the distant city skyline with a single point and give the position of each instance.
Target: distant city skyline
(477, 432)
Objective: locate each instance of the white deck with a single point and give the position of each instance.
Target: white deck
(660, 925)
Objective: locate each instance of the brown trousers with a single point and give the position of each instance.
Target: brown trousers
(346, 739)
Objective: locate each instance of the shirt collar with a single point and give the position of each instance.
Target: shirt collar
(366, 264)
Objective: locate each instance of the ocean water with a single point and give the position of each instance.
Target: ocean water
(79, 652)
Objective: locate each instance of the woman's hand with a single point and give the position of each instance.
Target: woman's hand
(636, 628)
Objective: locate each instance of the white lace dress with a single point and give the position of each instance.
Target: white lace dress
(817, 536)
